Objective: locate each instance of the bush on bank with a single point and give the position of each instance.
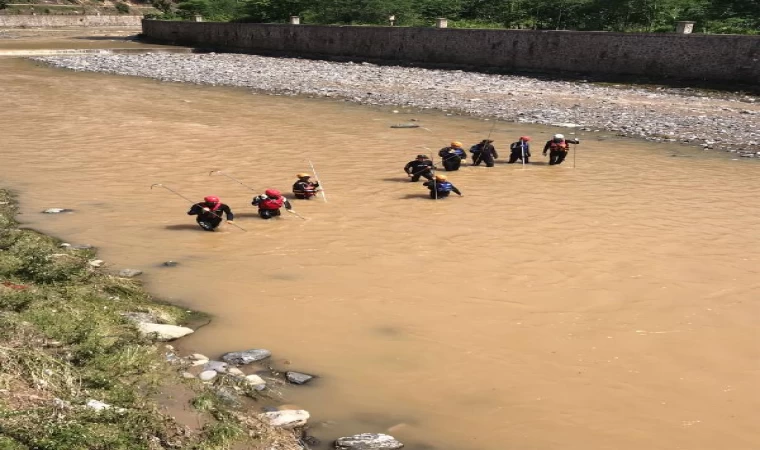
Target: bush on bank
(64, 342)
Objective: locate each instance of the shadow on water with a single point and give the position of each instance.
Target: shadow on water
(183, 227)
(132, 37)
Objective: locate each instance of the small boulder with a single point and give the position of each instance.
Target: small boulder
(246, 356)
(129, 273)
(216, 366)
(288, 419)
(256, 382)
(298, 377)
(234, 371)
(56, 211)
(170, 263)
(187, 375)
(163, 332)
(368, 441)
(207, 375)
(96, 262)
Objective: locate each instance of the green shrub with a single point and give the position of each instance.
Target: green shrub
(122, 8)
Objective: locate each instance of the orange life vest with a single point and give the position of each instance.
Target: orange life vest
(558, 146)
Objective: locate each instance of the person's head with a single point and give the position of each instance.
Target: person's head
(272, 193)
(558, 138)
(525, 138)
(487, 141)
(421, 157)
(303, 176)
(441, 178)
(211, 199)
(456, 144)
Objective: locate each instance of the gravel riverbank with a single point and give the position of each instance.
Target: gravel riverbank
(729, 122)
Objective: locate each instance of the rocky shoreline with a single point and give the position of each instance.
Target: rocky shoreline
(723, 121)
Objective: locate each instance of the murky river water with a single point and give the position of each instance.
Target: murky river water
(611, 306)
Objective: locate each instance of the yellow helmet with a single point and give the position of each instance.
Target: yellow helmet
(303, 175)
(456, 144)
(441, 178)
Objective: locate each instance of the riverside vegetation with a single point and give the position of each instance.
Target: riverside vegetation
(76, 373)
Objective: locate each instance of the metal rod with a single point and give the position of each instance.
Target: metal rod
(322, 190)
(193, 203)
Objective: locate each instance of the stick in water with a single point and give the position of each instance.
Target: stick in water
(322, 190)
(192, 202)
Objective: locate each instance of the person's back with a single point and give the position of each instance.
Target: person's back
(304, 188)
(209, 213)
(441, 187)
(269, 203)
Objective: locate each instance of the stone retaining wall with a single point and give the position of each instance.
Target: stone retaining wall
(713, 58)
(59, 21)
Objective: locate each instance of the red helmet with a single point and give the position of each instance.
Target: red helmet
(525, 138)
(272, 193)
(211, 199)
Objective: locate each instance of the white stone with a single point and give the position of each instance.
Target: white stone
(236, 372)
(289, 418)
(256, 381)
(96, 262)
(368, 441)
(198, 356)
(198, 362)
(163, 332)
(207, 375)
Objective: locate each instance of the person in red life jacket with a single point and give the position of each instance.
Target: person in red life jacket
(303, 188)
(209, 212)
(440, 187)
(420, 167)
(520, 151)
(270, 203)
(558, 147)
(484, 152)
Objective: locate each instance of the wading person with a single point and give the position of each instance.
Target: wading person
(520, 151)
(210, 212)
(420, 167)
(484, 152)
(441, 187)
(304, 188)
(270, 202)
(452, 156)
(558, 147)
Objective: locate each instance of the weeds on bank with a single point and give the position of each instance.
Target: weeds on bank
(64, 342)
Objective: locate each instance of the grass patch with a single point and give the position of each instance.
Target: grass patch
(65, 341)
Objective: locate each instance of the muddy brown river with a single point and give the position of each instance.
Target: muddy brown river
(610, 306)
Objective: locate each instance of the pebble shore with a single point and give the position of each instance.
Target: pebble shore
(721, 121)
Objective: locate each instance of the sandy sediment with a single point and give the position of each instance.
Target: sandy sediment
(721, 121)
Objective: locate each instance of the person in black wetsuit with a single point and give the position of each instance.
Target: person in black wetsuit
(305, 189)
(484, 152)
(441, 187)
(270, 203)
(452, 156)
(520, 150)
(420, 167)
(209, 213)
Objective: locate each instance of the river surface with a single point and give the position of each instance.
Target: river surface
(613, 305)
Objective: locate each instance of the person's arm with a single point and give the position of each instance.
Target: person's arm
(408, 167)
(526, 146)
(287, 204)
(454, 188)
(428, 184)
(493, 151)
(547, 146)
(195, 210)
(256, 200)
(228, 212)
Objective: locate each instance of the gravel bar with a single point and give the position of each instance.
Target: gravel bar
(721, 121)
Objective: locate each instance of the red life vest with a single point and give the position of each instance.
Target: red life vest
(216, 206)
(272, 203)
(558, 146)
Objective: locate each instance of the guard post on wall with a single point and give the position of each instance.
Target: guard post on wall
(684, 27)
(441, 22)
(295, 20)
(198, 18)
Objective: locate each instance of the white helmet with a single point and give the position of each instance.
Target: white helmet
(559, 136)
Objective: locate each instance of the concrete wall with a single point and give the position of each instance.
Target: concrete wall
(56, 21)
(714, 58)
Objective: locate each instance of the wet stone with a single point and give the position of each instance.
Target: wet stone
(57, 211)
(170, 263)
(298, 377)
(216, 366)
(129, 273)
(207, 375)
(246, 357)
(368, 441)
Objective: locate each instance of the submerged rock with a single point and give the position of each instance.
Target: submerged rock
(57, 211)
(368, 441)
(129, 273)
(163, 332)
(246, 356)
(288, 418)
(298, 377)
(170, 263)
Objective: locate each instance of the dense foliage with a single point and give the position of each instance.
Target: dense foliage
(711, 16)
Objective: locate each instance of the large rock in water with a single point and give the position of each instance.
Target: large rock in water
(368, 441)
(163, 332)
(298, 377)
(287, 418)
(246, 356)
